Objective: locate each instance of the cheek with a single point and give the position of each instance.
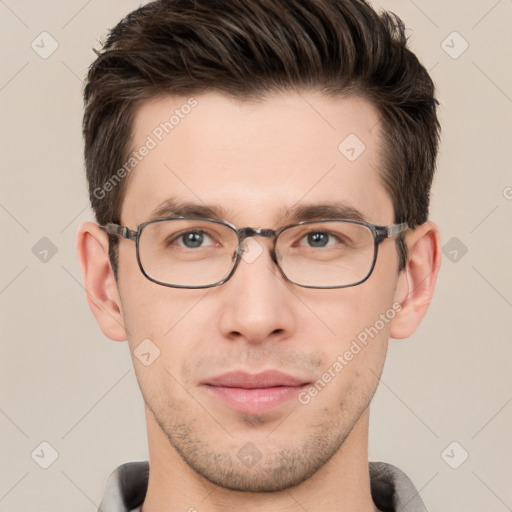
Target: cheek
(350, 374)
(361, 313)
(159, 343)
(359, 320)
(151, 310)
(374, 303)
(161, 330)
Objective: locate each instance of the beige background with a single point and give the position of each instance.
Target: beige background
(64, 383)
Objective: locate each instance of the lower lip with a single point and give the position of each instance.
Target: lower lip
(255, 401)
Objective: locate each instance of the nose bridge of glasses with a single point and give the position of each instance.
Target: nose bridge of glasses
(244, 233)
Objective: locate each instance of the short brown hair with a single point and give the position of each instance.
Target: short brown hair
(247, 49)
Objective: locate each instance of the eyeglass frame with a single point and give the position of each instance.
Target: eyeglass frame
(380, 233)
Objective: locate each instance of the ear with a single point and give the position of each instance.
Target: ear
(417, 280)
(99, 281)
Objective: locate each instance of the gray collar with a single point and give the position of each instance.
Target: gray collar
(392, 490)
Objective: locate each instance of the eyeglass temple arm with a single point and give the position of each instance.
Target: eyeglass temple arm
(116, 229)
(390, 231)
(396, 229)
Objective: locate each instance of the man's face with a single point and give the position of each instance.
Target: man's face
(257, 161)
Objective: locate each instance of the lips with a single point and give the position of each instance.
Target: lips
(254, 393)
(268, 379)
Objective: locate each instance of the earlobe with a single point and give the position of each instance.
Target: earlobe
(99, 281)
(417, 280)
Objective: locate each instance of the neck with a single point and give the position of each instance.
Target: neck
(341, 485)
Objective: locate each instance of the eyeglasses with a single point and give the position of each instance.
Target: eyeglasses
(186, 252)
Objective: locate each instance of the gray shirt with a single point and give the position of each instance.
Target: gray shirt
(392, 490)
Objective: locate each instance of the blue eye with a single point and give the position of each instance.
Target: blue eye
(191, 239)
(320, 238)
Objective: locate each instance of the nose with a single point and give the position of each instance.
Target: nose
(257, 302)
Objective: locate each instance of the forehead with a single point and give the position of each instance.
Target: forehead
(254, 160)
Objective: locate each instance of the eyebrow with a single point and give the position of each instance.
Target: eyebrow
(173, 207)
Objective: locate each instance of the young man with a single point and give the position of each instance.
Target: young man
(260, 173)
